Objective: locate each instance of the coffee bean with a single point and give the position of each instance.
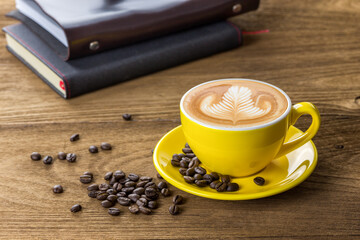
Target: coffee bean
(117, 187)
(225, 178)
(184, 164)
(198, 176)
(76, 208)
(93, 194)
(187, 145)
(201, 183)
(124, 180)
(146, 179)
(182, 171)
(121, 194)
(130, 184)
(141, 184)
(146, 197)
(159, 176)
(61, 155)
(106, 146)
(108, 176)
(190, 172)
(112, 181)
(152, 204)
(114, 211)
(150, 184)
(126, 117)
(187, 150)
(141, 202)
(111, 191)
(86, 179)
(93, 149)
(174, 209)
(221, 186)
(104, 187)
(107, 204)
(186, 159)
(213, 184)
(35, 156)
(119, 174)
(124, 201)
(58, 189)
(144, 210)
(102, 196)
(133, 177)
(189, 179)
(112, 198)
(232, 187)
(208, 178)
(177, 199)
(93, 187)
(162, 185)
(200, 170)
(89, 173)
(139, 190)
(150, 192)
(156, 196)
(134, 197)
(71, 157)
(214, 175)
(190, 155)
(75, 137)
(194, 163)
(181, 155)
(259, 181)
(128, 189)
(175, 162)
(165, 192)
(176, 157)
(134, 208)
(47, 160)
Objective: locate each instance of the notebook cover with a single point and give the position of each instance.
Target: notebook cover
(105, 69)
(119, 22)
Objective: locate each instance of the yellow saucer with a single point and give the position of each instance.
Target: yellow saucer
(280, 175)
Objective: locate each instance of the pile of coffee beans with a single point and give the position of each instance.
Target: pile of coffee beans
(189, 167)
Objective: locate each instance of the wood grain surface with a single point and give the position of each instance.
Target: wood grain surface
(312, 52)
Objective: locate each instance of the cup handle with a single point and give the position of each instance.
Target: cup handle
(296, 111)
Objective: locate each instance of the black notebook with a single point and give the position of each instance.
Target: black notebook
(79, 76)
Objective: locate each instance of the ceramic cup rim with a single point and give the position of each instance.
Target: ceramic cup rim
(282, 116)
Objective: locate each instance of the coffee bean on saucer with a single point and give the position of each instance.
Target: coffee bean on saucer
(134, 209)
(189, 179)
(61, 155)
(194, 162)
(119, 174)
(175, 162)
(215, 176)
(208, 178)
(93, 149)
(107, 204)
(146, 178)
(213, 184)
(232, 187)
(93, 187)
(184, 163)
(187, 145)
(159, 176)
(221, 186)
(177, 199)
(106, 146)
(201, 183)
(35, 156)
(174, 209)
(259, 181)
(200, 170)
(112, 198)
(144, 210)
(187, 150)
(75, 137)
(89, 173)
(126, 117)
(186, 159)
(133, 177)
(47, 160)
(177, 156)
(225, 178)
(190, 155)
(124, 201)
(114, 211)
(162, 185)
(152, 204)
(108, 176)
(58, 189)
(76, 208)
(71, 157)
(165, 192)
(85, 179)
(190, 172)
(102, 196)
(198, 176)
(93, 193)
(182, 171)
(104, 187)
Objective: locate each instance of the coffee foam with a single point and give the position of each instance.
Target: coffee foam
(235, 103)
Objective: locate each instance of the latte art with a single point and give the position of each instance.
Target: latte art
(234, 103)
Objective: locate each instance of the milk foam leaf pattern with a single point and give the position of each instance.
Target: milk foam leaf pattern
(236, 104)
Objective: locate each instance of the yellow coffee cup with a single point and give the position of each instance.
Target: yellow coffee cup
(244, 151)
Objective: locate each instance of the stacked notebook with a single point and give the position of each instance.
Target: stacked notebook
(84, 45)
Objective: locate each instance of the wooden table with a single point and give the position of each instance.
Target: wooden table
(312, 52)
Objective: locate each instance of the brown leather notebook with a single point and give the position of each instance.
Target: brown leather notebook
(86, 27)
